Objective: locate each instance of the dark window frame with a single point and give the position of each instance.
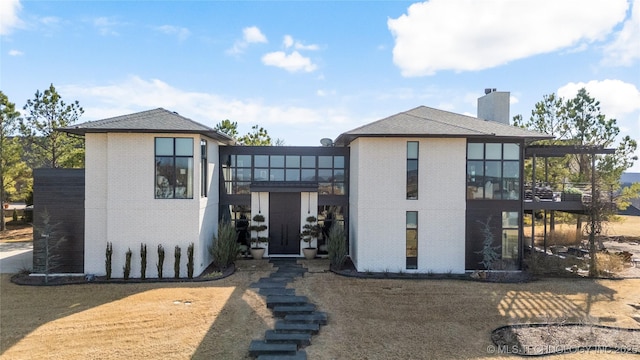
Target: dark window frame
(204, 168)
(413, 168)
(169, 189)
(480, 170)
(411, 261)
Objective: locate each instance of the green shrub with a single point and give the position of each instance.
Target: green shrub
(224, 247)
(160, 263)
(190, 261)
(176, 264)
(337, 245)
(127, 264)
(14, 216)
(107, 262)
(143, 261)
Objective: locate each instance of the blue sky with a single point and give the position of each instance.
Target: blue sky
(305, 70)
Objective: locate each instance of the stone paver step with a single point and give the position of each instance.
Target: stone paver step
(277, 291)
(284, 310)
(281, 279)
(300, 355)
(290, 269)
(316, 317)
(300, 338)
(259, 347)
(276, 300)
(285, 279)
(269, 285)
(285, 326)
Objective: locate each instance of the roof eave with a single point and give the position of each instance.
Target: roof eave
(225, 139)
(346, 139)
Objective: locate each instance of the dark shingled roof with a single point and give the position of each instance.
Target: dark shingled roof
(429, 122)
(151, 121)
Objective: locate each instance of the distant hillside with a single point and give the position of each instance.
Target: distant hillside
(629, 178)
(626, 180)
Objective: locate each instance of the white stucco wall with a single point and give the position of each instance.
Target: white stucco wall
(120, 206)
(378, 204)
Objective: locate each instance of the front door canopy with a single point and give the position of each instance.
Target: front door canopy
(284, 186)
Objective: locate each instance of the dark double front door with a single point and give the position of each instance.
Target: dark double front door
(284, 223)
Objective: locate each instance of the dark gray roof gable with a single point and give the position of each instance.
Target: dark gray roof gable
(429, 122)
(151, 121)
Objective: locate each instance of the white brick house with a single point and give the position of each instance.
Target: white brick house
(409, 188)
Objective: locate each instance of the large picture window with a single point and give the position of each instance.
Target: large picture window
(174, 168)
(241, 170)
(493, 171)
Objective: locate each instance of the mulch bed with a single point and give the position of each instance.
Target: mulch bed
(211, 273)
(349, 270)
(560, 338)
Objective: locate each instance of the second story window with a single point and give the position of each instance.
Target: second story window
(412, 170)
(204, 168)
(174, 168)
(493, 171)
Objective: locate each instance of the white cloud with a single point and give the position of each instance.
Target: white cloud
(14, 52)
(253, 35)
(137, 94)
(293, 62)
(250, 35)
(9, 19)
(618, 100)
(181, 32)
(625, 48)
(105, 25)
(288, 42)
(468, 35)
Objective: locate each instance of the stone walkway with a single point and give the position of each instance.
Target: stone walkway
(298, 318)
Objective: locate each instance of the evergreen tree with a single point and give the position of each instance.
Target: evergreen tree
(47, 147)
(9, 156)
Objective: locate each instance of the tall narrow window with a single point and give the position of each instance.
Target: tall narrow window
(412, 239)
(510, 227)
(174, 168)
(203, 169)
(412, 170)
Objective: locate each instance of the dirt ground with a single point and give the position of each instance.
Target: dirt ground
(368, 319)
(16, 233)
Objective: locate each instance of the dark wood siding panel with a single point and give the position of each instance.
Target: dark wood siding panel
(479, 211)
(61, 193)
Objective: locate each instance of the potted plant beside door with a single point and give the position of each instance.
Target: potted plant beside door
(258, 227)
(310, 232)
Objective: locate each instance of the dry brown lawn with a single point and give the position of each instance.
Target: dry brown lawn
(628, 226)
(368, 319)
(133, 321)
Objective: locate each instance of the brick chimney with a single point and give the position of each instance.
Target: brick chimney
(494, 106)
